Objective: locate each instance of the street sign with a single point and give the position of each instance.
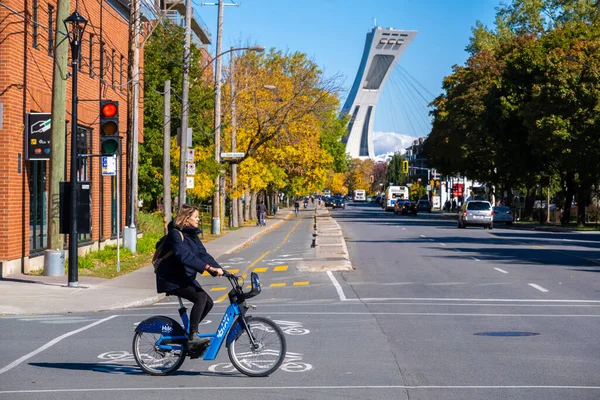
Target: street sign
(428, 188)
(109, 165)
(189, 182)
(37, 136)
(191, 169)
(190, 155)
(232, 155)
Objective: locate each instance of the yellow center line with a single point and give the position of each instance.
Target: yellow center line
(244, 274)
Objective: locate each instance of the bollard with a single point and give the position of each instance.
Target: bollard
(314, 241)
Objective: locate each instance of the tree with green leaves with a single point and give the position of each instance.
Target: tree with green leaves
(163, 54)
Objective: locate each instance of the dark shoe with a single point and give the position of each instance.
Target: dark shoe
(197, 346)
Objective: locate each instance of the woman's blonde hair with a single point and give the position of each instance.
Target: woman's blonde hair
(184, 213)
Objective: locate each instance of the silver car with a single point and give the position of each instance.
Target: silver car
(476, 212)
(503, 214)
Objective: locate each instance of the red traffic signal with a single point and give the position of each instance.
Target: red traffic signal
(109, 127)
(109, 109)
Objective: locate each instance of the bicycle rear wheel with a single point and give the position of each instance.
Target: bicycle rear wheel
(153, 360)
(268, 354)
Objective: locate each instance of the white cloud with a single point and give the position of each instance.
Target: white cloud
(390, 142)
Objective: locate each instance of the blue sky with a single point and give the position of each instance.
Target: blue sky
(332, 33)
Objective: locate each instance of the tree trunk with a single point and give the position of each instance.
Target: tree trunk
(240, 210)
(253, 203)
(566, 217)
(529, 202)
(247, 206)
(581, 203)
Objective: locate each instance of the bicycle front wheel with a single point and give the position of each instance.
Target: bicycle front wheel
(267, 353)
(153, 360)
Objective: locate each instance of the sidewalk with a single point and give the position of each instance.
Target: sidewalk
(29, 294)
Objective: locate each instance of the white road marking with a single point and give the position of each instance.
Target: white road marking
(443, 244)
(482, 300)
(52, 343)
(337, 286)
(501, 270)
(538, 287)
(279, 388)
(475, 258)
(422, 235)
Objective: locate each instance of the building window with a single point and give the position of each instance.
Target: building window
(364, 140)
(121, 73)
(35, 24)
(112, 65)
(50, 30)
(91, 56)
(113, 205)
(351, 124)
(38, 206)
(101, 60)
(84, 164)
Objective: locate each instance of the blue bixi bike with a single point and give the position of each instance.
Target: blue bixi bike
(256, 345)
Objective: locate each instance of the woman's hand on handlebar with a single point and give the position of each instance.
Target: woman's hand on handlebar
(215, 271)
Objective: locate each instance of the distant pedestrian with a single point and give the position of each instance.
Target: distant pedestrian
(453, 205)
(261, 210)
(275, 208)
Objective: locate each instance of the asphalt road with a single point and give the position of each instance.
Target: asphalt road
(429, 312)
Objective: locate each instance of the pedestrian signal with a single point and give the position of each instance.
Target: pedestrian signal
(109, 127)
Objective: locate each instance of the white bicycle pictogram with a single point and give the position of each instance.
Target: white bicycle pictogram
(292, 363)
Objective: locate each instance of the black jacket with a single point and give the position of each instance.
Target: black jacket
(188, 258)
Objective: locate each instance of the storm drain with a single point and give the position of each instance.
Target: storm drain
(506, 334)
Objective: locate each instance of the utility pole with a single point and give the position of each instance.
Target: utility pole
(234, 204)
(185, 102)
(130, 234)
(167, 155)
(216, 212)
(57, 139)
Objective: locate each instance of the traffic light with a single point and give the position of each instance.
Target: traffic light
(372, 178)
(109, 127)
(405, 167)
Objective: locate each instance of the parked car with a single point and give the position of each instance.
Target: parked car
(476, 212)
(338, 202)
(424, 205)
(503, 214)
(405, 207)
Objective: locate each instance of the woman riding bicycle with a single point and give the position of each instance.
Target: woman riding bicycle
(176, 274)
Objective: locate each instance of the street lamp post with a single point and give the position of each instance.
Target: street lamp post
(77, 23)
(571, 58)
(216, 209)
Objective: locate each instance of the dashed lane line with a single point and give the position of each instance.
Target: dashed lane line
(501, 270)
(538, 287)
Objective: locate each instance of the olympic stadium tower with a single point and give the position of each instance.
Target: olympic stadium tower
(383, 48)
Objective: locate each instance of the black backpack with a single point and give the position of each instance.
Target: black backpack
(160, 254)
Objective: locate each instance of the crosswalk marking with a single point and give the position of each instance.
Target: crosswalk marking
(300, 283)
(280, 268)
(260, 269)
(277, 284)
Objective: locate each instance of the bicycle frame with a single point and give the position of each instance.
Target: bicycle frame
(231, 326)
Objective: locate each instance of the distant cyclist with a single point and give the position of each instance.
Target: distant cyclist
(296, 207)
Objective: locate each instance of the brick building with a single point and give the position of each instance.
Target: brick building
(27, 41)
